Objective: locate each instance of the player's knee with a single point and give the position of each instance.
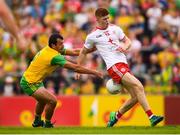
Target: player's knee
(53, 101)
(139, 87)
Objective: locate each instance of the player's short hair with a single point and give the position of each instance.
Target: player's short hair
(100, 12)
(53, 39)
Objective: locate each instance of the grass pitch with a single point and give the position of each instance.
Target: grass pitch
(92, 130)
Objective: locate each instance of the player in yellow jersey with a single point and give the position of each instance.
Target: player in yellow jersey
(43, 64)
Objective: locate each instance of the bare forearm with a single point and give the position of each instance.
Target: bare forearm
(83, 70)
(79, 69)
(8, 19)
(71, 60)
(74, 52)
(81, 58)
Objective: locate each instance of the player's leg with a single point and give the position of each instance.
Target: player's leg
(120, 73)
(114, 116)
(43, 96)
(38, 112)
(130, 102)
(117, 72)
(40, 105)
(31, 90)
(132, 82)
(39, 108)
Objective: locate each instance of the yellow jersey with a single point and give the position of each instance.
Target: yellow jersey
(43, 64)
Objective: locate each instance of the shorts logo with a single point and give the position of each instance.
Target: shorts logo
(123, 69)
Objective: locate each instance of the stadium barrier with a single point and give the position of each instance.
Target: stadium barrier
(88, 110)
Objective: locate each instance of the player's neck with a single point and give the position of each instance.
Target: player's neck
(101, 27)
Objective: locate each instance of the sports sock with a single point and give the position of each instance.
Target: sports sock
(149, 114)
(48, 121)
(37, 117)
(118, 115)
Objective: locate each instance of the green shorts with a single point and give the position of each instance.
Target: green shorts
(29, 88)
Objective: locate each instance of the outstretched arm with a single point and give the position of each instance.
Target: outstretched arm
(75, 52)
(81, 69)
(84, 51)
(10, 24)
(82, 55)
(61, 61)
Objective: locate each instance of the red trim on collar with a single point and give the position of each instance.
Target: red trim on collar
(101, 28)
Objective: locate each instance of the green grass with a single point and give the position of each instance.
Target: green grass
(92, 130)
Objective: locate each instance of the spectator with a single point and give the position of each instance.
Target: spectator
(9, 87)
(176, 76)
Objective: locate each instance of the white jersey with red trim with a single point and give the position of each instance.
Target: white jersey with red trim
(107, 41)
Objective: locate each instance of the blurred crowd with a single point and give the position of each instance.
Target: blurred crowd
(152, 25)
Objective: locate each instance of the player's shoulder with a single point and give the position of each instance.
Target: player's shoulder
(92, 33)
(49, 52)
(114, 26)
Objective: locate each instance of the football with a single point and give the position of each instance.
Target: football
(112, 87)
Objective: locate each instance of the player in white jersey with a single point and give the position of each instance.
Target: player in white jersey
(112, 44)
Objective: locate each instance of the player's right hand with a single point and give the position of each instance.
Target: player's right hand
(99, 74)
(77, 76)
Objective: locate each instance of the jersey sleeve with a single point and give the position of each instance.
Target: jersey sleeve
(89, 43)
(120, 33)
(58, 60)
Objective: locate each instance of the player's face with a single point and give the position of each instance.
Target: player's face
(103, 21)
(59, 44)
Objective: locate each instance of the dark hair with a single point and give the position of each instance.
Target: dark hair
(53, 39)
(100, 12)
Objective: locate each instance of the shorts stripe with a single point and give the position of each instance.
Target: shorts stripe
(117, 71)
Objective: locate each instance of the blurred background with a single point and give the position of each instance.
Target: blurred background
(154, 58)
